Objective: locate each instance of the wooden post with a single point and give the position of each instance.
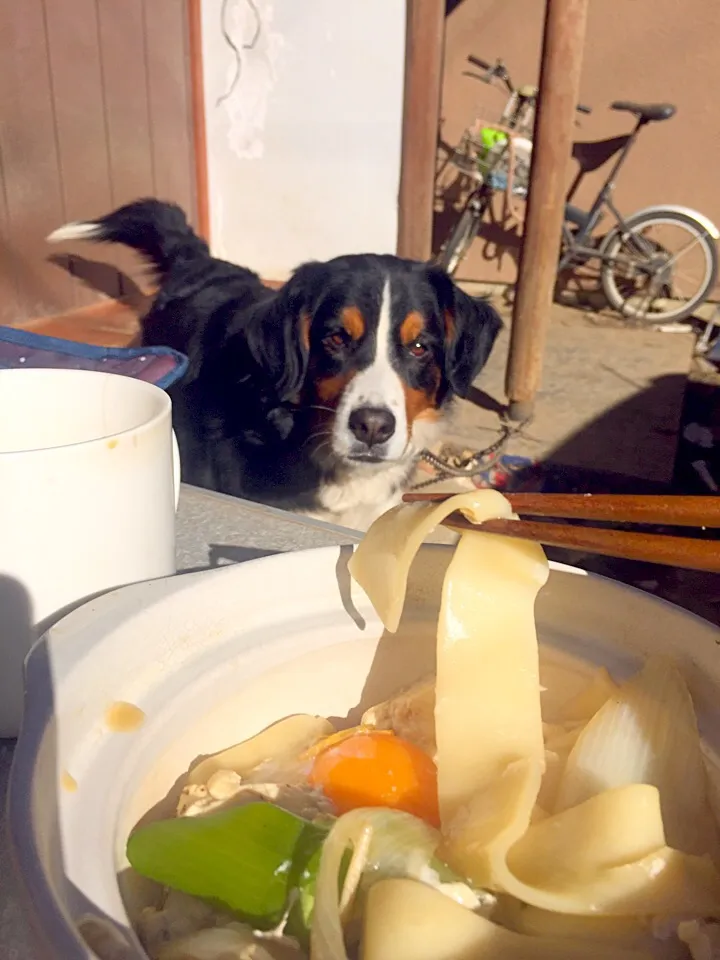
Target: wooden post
(552, 144)
(421, 114)
(197, 98)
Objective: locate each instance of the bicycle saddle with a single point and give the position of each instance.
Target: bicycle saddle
(647, 112)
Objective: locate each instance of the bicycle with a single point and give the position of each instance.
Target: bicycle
(632, 264)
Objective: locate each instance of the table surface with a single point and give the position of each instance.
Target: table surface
(212, 530)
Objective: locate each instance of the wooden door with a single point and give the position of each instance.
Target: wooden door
(95, 111)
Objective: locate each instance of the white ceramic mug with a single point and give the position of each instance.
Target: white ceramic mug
(89, 481)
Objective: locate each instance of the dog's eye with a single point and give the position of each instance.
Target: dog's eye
(417, 349)
(335, 340)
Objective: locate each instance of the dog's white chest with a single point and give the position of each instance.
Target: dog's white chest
(363, 496)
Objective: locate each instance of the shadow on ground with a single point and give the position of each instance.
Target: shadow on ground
(698, 443)
(611, 432)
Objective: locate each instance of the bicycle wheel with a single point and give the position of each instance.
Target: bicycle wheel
(462, 236)
(659, 267)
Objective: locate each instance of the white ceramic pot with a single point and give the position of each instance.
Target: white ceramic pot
(89, 477)
(212, 658)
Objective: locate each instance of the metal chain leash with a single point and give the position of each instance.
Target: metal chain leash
(475, 463)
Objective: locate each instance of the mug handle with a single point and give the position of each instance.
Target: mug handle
(176, 468)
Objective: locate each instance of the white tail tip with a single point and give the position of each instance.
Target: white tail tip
(75, 231)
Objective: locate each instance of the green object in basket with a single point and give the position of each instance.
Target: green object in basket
(490, 140)
(490, 137)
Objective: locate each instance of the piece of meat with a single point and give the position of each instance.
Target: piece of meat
(701, 937)
(179, 916)
(410, 714)
(234, 942)
(229, 790)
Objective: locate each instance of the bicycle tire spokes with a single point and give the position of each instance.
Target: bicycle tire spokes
(660, 270)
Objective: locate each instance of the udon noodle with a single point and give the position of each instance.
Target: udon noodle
(454, 823)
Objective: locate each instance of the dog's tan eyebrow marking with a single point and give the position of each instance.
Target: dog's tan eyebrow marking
(353, 321)
(411, 327)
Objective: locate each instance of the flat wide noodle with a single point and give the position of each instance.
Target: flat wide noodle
(629, 931)
(487, 696)
(382, 560)
(407, 920)
(282, 740)
(605, 856)
(647, 733)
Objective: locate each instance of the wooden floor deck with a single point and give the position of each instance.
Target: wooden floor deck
(108, 323)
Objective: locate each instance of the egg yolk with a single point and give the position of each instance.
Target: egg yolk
(377, 769)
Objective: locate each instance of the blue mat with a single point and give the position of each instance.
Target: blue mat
(159, 365)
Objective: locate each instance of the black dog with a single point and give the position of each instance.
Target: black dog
(317, 397)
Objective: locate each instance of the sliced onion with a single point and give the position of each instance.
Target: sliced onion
(647, 733)
(589, 700)
(400, 846)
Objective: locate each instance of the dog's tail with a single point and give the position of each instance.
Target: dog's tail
(157, 230)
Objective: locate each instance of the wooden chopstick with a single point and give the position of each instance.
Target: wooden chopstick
(618, 508)
(649, 547)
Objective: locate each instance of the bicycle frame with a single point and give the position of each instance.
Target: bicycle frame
(577, 248)
(491, 161)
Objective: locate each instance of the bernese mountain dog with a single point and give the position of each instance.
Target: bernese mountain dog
(318, 397)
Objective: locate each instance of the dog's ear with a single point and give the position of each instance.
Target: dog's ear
(281, 343)
(471, 327)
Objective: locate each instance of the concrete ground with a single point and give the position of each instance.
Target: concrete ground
(611, 397)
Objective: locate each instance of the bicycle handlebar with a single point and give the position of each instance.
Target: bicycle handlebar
(477, 62)
(499, 70)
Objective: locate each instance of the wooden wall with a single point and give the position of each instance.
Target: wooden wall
(95, 110)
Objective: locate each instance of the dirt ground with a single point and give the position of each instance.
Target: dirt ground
(611, 397)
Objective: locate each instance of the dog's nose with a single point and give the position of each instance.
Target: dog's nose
(372, 425)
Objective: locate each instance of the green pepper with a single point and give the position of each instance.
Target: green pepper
(246, 860)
